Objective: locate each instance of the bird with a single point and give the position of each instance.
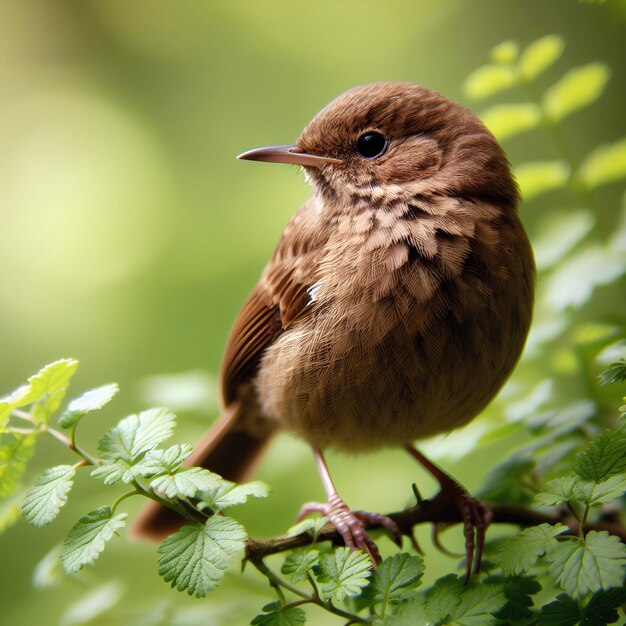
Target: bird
(395, 306)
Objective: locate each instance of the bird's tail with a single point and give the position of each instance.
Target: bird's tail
(232, 448)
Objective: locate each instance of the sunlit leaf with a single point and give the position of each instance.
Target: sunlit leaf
(224, 494)
(582, 567)
(507, 120)
(596, 494)
(91, 400)
(299, 563)
(604, 457)
(185, 483)
(15, 451)
(518, 554)
(506, 52)
(488, 80)
(539, 55)
(50, 384)
(88, 537)
(558, 490)
(606, 164)
(10, 510)
(137, 434)
(578, 88)
(343, 573)
(48, 495)
(194, 558)
(558, 233)
(537, 178)
(312, 526)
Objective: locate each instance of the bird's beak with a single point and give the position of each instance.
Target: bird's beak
(286, 154)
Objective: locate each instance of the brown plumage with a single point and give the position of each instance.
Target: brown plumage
(398, 298)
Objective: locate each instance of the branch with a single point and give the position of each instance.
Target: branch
(435, 511)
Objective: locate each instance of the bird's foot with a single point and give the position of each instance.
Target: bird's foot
(351, 525)
(475, 517)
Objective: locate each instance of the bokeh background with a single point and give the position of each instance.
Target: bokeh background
(130, 235)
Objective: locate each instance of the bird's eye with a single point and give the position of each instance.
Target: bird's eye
(371, 145)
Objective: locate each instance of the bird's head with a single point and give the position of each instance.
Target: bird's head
(395, 140)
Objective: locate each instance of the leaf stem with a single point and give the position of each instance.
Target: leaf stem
(123, 497)
(70, 445)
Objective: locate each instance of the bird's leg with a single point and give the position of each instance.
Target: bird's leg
(349, 524)
(475, 515)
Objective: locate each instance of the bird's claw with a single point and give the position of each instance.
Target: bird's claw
(351, 524)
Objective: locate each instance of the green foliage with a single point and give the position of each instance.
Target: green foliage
(194, 558)
(44, 501)
(275, 615)
(223, 494)
(299, 564)
(15, 451)
(343, 573)
(91, 400)
(88, 537)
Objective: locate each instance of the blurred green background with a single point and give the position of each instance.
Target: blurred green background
(130, 235)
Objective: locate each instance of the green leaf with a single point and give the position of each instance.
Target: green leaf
(88, 538)
(603, 457)
(312, 526)
(185, 483)
(395, 580)
(343, 573)
(596, 494)
(275, 615)
(562, 612)
(49, 494)
(89, 401)
(507, 120)
(580, 568)
(115, 472)
(518, 591)
(606, 164)
(505, 52)
(50, 385)
(22, 396)
(615, 374)
(489, 80)
(299, 562)
(518, 554)
(577, 89)
(540, 55)
(224, 494)
(93, 604)
(449, 601)
(136, 434)
(15, 451)
(558, 233)
(558, 491)
(10, 510)
(194, 558)
(48, 572)
(601, 609)
(540, 177)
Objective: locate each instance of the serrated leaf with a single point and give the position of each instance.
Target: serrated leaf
(478, 604)
(518, 591)
(518, 554)
(115, 472)
(488, 80)
(168, 460)
(224, 494)
(48, 495)
(540, 177)
(616, 373)
(508, 120)
(50, 385)
(601, 609)
(275, 615)
(558, 491)
(88, 537)
(577, 89)
(580, 568)
(194, 558)
(343, 573)
(136, 434)
(22, 396)
(395, 580)
(539, 55)
(185, 483)
(15, 451)
(299, 563)
(603, 457)
(93, 604)
(91, 400)
(562, 612)
(606, 164)
(442, 598)
(596, 494)
(505, 52)
(312, 526)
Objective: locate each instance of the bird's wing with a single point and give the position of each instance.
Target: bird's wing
(280, 297)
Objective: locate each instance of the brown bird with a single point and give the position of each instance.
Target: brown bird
(395, 306)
